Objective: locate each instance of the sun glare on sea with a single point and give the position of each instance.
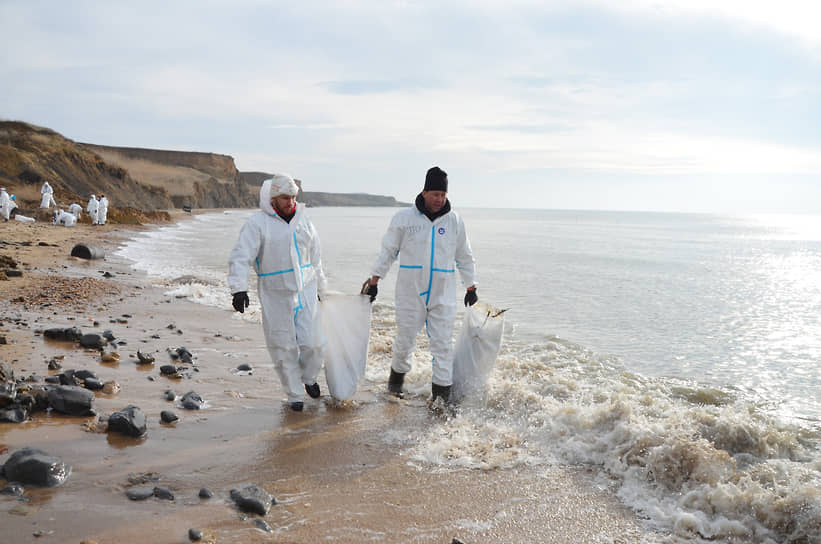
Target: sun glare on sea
(790, 226)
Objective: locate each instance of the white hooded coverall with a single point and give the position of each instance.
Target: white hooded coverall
(426, 283)
(102, 210)
(92, 208)
(76, 210)
(64, 218)
(286, 258)
(48, 196)
(5, 204)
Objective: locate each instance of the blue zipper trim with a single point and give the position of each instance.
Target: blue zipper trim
(430, 274)
(416, 266)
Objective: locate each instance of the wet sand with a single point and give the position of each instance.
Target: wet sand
(334, 475)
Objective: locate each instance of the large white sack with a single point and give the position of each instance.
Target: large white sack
(476, 349)
(346, 324)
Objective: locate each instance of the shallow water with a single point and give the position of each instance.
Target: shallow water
(674, 354)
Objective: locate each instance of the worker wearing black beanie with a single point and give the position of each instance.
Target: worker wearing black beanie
(431, 243)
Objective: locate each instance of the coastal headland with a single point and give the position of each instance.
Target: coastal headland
(334, 470)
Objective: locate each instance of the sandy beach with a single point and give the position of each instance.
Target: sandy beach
(334, 475)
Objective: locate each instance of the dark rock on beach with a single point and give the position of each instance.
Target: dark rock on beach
(253, 499)
(163, 493)
(139, 493)
(129, 421)
(93, 341)
(71, 400)
(144, 358)
(8, 392)
(167, 416)
(192, 401)
(194, 535)
(169, 370)
(6, 372)
(262, 525)
(170, 395)
(14, 414)
(72, 334)
(182, 354)
(33, 467)
(13, 490)
(205, 493)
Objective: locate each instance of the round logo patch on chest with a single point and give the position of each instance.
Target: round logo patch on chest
(441, 230)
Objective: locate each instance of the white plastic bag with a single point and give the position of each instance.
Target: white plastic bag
(476, 349)
(346, 324)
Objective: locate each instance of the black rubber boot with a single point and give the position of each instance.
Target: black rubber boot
(313, 390)
(296, 406)
(440, 391)
(395, 382)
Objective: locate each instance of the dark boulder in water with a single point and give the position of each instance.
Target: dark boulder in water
(182, 354)
(145, 358)
(71, 400)
(93, 341)
(205, 493)
(194, 535)
(167, 416)
(8, 393)
(108, 335)
(129, 421)
(262, 525)
(93, 384)
(192, 401)
(6, 372)
(253, 499)
(72, 334)
(139, 493)
(168, 370)
(13, 490)
(163, 493)
(14, 414)
(33, 467)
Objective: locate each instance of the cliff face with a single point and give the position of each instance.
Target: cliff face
(199, 180)
(142, 179)
(30, 155)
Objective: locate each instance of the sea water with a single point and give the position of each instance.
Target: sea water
(677, 355)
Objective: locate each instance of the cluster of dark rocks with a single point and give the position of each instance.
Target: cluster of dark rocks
(32, 467)
(72, 392)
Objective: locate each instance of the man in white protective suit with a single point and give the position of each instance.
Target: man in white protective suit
(64, 218)
(76, 210)
(92, 208)
(429, 239)
(102, 210)
(48, 196)
(282, 246)
(5, 204)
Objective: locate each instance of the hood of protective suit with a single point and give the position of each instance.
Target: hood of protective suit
(284, 185)
(265, 197)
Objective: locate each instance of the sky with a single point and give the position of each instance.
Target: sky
(688, 106)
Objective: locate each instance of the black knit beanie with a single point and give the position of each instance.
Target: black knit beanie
(436, 180)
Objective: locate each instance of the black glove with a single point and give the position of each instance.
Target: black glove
(372, 290)
(471, 297)
(241, 301)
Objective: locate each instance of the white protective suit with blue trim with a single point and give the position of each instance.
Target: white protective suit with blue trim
(429, 254)
(286, 258)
